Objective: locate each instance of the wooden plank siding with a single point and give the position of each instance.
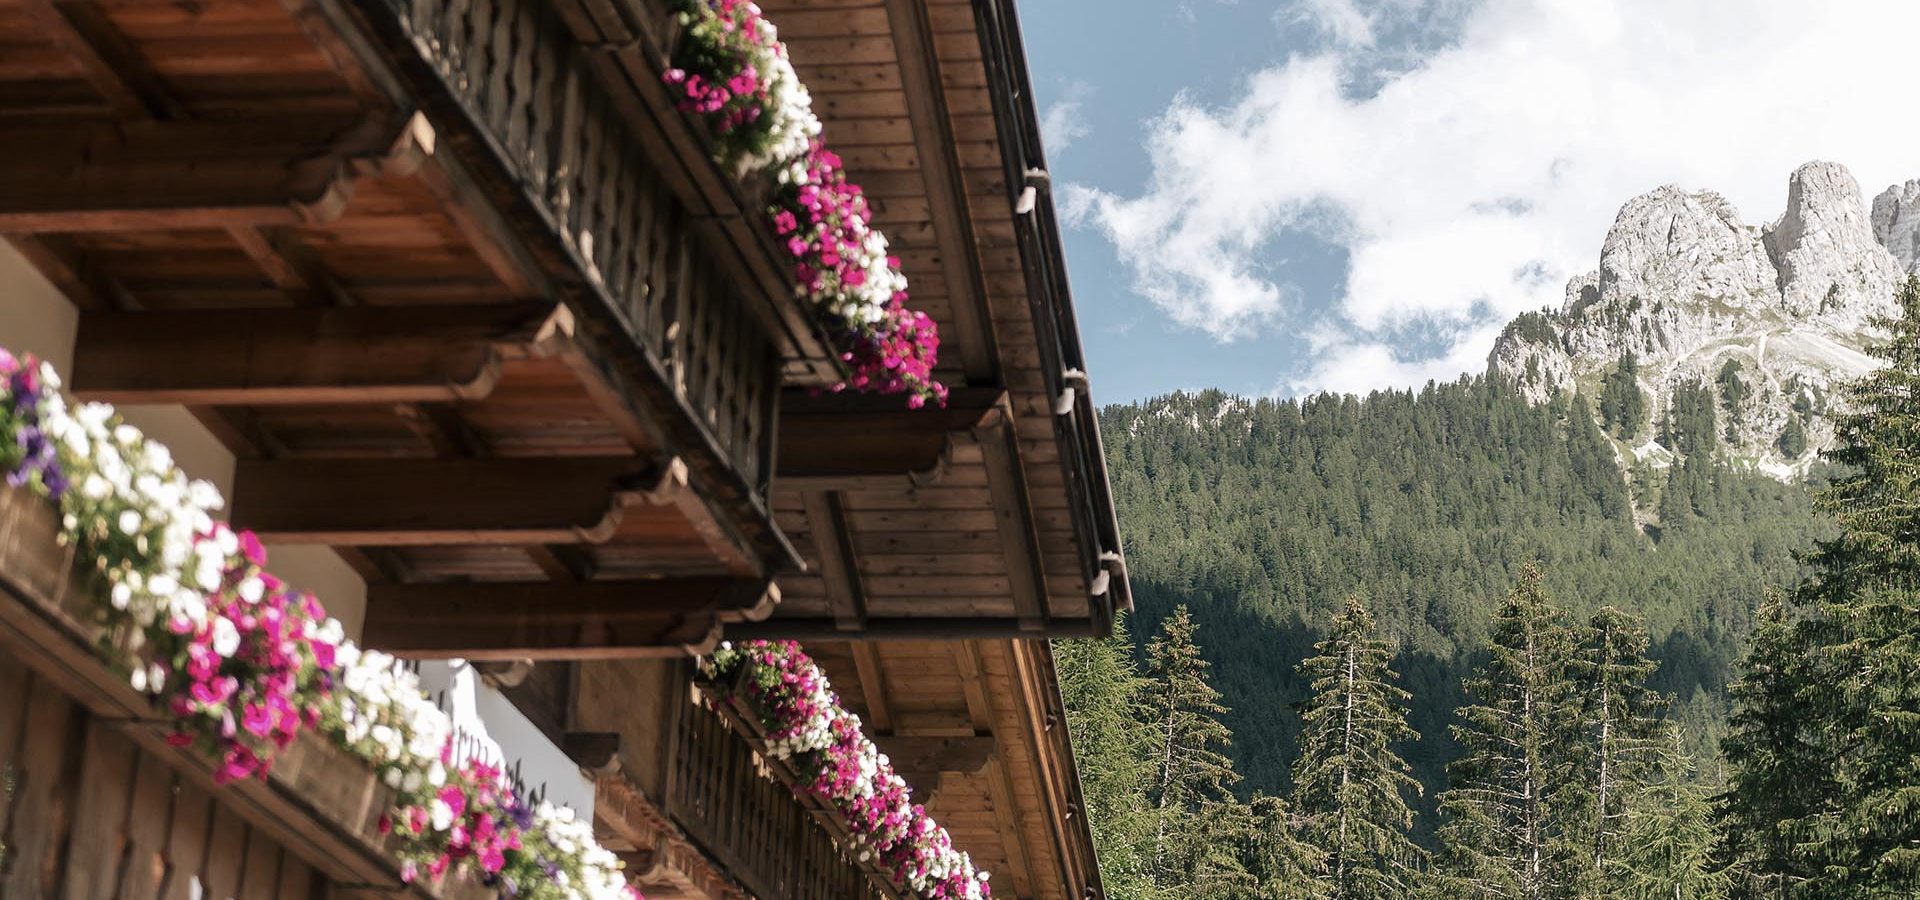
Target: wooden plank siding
(96, 816)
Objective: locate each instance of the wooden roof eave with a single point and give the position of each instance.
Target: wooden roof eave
(1070, 825)
(1063, 362)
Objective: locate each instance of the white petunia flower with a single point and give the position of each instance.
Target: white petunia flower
(226, 638)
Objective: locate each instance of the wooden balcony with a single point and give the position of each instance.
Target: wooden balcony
(465, 259)
(729, 801)
(477, 239)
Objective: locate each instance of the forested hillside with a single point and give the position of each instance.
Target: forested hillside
(1338, 594)
(1262, 515)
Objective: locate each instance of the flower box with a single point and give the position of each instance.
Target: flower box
(317, 796)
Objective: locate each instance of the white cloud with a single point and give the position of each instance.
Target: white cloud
(1471, 185)
(1344, 363)
(1064, 121)
(1342, 21)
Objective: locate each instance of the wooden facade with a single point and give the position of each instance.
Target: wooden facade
(463, 262)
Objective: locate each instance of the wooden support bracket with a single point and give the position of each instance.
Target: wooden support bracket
(548, 621)
(194, 174)
(262, 357)
(428, 502)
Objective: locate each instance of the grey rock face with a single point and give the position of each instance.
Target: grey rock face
(1896, 223)
(1691, 290)
(1825, 249)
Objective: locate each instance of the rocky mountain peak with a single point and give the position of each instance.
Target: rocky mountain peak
(1767, 319)
(1896, 223)
(1824, 246)
(1675, 243)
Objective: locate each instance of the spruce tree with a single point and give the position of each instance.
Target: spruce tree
(1733, 394)
(1506, 809)
(1252, 851)
(1874, 501)
(1285, 864)
(1622, 405)
(1221, 841)
(1860, 685)
(1348, 782)
(1112, 739)
(1190, 767)
(1670, 846)
(1793, 438)
(1620, 736)
(1777, 775)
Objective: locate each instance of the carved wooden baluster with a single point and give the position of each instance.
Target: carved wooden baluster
(568, 142)
(620, 235)
(455, 34)
(633, 281)
(499, 70)
(543, 104)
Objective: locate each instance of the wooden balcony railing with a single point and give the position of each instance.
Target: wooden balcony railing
(624, 186)
(747, 817)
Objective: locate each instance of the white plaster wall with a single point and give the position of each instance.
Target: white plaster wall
(35, 318)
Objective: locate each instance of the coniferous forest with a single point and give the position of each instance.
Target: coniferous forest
(1438, 644)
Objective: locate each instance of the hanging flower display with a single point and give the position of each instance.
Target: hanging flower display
(244, 664)
(731, 69)
(806, 726)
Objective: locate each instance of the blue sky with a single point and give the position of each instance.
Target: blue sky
(1295, 195)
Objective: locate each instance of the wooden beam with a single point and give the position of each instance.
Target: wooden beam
(1013, 516)
(545, 621)
(946, 191)
(443, 430)
(1029, 664)
(898, 447)
(414, 502)
(839, 568)
(61, 262)
(292, 266)
(265, 357)
(195, 174)
(912, 628)
(111, 64)
(561, 562)
(1006, 810)
(873, 685)
(966, 755)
